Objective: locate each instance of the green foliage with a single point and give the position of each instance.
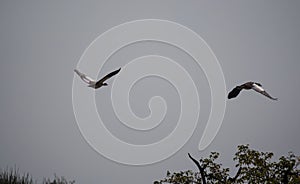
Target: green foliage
(57, 180)
(184, 177)
(12, 176)
(252, 167)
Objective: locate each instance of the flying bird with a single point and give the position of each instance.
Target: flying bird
(249, 85)
(96, 84)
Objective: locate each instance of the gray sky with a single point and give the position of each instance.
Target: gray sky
(42, 42)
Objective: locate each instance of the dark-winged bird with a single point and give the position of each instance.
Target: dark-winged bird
(249, 85)
(96, 84)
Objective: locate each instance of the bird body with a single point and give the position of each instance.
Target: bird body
(96, 84)
(247, 86)
(257, 88)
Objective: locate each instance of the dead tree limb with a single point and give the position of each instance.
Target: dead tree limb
(201, 169)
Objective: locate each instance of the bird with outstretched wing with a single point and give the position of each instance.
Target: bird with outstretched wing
(96, 84)
(249, 85)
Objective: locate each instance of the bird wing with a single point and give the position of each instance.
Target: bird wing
(267, 95)
(234, 93)
(108, 76)
(260, 90)
(84, 77)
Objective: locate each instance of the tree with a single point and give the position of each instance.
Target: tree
(252, 167)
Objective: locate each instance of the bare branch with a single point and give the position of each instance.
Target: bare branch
(201, 169)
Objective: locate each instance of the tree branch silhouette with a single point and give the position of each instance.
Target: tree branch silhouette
(201, 169)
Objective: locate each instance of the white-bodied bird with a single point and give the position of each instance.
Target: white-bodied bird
(96, 84)
(249, 85)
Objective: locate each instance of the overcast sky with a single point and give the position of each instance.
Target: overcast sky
(42, 42)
